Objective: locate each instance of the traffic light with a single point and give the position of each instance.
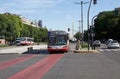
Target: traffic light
(68, 29)
(94, 1)
(91, 31)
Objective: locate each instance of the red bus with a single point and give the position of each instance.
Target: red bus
(58, 41)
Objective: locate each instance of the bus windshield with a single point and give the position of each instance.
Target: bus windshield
(57, 40)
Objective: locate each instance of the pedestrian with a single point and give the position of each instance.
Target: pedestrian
(78, 45)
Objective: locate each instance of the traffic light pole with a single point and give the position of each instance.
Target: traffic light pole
(88, 24)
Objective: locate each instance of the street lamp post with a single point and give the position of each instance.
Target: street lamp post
(81, 3)
(82, 19)
(79, 29)
(92, 24)
(93, 20)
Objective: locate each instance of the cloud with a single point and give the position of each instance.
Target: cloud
(27, 6)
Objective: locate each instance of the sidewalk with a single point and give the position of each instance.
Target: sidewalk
(21, 49)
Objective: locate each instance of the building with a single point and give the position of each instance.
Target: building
(40, 23)
(117, 10)
(29, 22)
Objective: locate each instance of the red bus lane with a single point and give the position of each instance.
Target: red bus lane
(9, 63)
(38, 70)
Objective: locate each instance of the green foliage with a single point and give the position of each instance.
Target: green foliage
(3, 45)
(85, 45)
(12, 27)
(78, 35)
(85, 35)
(107, 25)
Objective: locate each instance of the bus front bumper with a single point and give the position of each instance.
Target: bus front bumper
(64, 49)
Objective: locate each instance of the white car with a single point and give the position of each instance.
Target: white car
(96, 43)
(113, 44)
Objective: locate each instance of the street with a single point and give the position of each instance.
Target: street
(70, 65)
(59, 39)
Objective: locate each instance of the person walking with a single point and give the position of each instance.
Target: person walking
(78, 45)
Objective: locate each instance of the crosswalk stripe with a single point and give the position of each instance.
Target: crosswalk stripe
(107, 50)
(101, 50)
(114, 50)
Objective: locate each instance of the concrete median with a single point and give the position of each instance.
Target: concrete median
(85, 51)
(21, 49)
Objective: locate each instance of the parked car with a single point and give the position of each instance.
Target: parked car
(96, 43)
(113, 44)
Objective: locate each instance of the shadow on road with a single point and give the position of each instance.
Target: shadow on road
(37, 51)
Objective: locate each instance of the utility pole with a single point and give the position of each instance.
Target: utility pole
(81, 3)
(79, 29)
(73, 29)
(82, 20)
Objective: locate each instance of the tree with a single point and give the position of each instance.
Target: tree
(12, 27)
(78, 35)
(107, 26)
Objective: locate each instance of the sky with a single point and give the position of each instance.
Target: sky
(57, 14)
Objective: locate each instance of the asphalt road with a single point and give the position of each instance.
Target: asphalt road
(105, 65)
(42, 65)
